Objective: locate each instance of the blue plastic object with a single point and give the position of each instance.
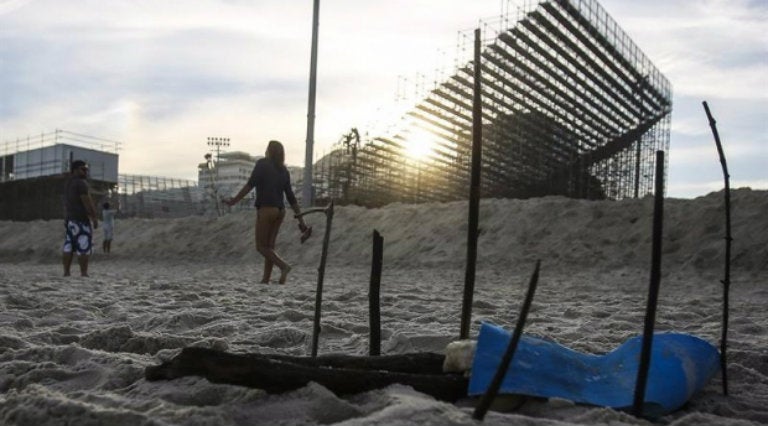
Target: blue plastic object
(681, 365)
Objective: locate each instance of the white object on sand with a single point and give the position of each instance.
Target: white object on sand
(458, 356)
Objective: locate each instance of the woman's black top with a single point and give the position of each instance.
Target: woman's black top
(271, 181)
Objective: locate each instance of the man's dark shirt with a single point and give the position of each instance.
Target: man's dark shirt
(75, 188)
(271, 181)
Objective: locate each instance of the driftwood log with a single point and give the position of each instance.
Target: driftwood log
(342, 374)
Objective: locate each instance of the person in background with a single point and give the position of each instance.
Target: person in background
(271, 179)
(108, 226)
(80, 219)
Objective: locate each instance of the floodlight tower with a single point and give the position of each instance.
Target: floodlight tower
(216, 144)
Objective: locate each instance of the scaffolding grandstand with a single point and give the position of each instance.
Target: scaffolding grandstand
(570, 106)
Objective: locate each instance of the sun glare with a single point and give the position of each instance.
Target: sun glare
(419, 144)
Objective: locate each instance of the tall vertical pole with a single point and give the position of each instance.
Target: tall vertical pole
(638, 157)
(638, 95)
(306, 190)
(474, 197)
(638, 150)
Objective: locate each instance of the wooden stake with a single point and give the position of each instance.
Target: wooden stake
(320, 271)
(474, 198)
(374, 295)
(493, 388)
(727, 279)
(653, 290)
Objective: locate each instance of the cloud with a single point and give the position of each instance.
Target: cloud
(709, 48)
(8, 6)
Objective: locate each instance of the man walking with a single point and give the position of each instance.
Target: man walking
(80, 214)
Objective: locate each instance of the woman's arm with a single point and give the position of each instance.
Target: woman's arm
(288, 189)
(297, 212)
(247, 187)
(243, 192)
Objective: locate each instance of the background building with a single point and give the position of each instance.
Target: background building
(50, 154)
(33, 171)
(224, 177)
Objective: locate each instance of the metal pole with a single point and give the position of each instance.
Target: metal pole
(638, 157)
(306, 190)
(474, 197)
(653, 289)
(638, 150)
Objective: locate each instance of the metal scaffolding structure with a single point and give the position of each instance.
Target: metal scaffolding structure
(59, 136)
(47, 154)
(571, 106)
(158, 197)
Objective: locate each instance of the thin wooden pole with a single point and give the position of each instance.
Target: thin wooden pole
(727, 279)
(320, 271)
(493, 388)
(653, 289)
(320, 277)
(374, 295)
(474, 198)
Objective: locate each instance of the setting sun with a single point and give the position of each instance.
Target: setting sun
(419, 144)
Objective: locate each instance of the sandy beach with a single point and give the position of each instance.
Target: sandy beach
(73, 350)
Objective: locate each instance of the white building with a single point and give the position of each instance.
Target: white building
(55, 160)
(225, 177)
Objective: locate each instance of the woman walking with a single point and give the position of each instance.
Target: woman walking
(271, 179)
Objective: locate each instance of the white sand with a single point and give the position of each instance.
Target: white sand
(73, 350)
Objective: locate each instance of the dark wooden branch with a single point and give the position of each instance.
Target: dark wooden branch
(653, 288)
(493, 389)
(374, 292)
(320, 276)
(474, 197)
(342, 374)
(726, 281)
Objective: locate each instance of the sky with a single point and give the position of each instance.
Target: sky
(163, 76)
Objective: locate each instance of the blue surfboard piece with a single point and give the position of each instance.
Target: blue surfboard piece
(681, 365)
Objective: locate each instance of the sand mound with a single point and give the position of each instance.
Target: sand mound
(579, 233)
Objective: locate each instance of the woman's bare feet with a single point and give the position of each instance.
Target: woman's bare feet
(284, 274)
